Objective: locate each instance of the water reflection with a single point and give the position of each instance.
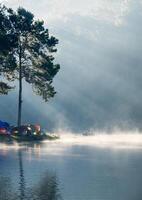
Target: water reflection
(45, 189)
(104, 167)
(21, 176)
(6, 190)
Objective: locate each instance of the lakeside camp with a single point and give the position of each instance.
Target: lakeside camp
(30, 132)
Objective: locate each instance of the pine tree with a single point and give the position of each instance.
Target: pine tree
(26, 52)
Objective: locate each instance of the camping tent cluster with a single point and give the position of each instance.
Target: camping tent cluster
(26, 130)
(22, 133)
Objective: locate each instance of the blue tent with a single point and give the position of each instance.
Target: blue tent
(4, 125)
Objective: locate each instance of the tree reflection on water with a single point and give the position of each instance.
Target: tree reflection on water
(22, 188)
(6, 190)
(45, 189)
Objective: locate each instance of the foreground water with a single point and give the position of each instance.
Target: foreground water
(101, 167)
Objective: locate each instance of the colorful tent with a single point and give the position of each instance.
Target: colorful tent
(4, 125)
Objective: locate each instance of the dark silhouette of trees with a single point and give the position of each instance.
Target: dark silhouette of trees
(26, 52)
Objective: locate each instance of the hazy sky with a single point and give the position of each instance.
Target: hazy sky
(100, 52)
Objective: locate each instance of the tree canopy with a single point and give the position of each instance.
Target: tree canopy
(25, 44)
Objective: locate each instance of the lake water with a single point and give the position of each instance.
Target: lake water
(102, 167)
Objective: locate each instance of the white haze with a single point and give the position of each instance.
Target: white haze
(117, 140)
(99, 84)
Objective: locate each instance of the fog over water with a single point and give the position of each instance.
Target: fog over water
(118, 140)
(99, 84)
(105, 167)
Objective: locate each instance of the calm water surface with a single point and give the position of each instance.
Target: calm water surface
(73, 169)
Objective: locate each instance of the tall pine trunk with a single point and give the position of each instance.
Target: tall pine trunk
(20, 90)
